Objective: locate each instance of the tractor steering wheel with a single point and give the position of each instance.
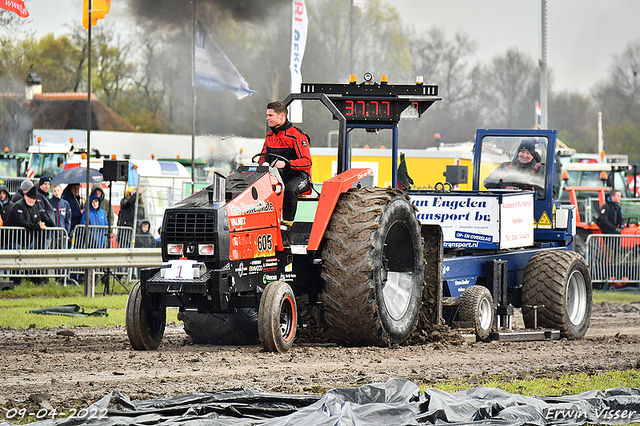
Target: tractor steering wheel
(287, 163)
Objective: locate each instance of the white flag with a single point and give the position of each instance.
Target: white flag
(298, 44)
(360, 4)
(214, 70)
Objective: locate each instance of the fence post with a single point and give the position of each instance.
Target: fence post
(89, 286)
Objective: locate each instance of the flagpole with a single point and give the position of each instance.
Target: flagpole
(193, 100)
(351, 38)
(88, 189)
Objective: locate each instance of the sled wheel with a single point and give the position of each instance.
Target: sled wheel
(145, 327)
(476, 307)
(558, 282)
(372, 268)
(239, 328)
(277, 317)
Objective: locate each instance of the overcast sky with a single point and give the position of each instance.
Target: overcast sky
(582, 35)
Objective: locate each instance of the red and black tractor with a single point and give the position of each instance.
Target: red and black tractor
(360, 256)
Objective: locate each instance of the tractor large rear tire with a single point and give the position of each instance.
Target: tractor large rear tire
(239, 328)
(145, 327)
(559, 283)
(372, 268)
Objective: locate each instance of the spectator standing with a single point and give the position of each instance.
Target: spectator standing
(97, 217)
(71, 195)
(25, 186)
(127, 207)
(26, 214)
(61, 210)
(5, 203)
(105, 204)
(42, 192)
(144, 239)
(610, 220)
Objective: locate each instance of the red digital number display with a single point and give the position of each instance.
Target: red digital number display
(367, 110)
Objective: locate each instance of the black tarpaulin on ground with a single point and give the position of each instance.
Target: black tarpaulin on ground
(396, 402)
(69, 311)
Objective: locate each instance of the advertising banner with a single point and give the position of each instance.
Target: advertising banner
(478, 221)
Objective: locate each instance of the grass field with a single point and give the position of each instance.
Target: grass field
(15, 306)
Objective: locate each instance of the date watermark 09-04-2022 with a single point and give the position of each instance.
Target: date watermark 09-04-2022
(89, 413)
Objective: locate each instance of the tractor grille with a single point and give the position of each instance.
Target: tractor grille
(192, 226)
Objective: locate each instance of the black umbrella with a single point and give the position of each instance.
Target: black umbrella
(77, 175)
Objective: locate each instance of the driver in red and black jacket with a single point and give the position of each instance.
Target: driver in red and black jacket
(286, 140)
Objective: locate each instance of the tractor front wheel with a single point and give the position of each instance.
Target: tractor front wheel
(277, 317)
(145, 327)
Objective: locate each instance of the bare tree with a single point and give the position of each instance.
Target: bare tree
(114, 72)
(447, 63)
(508, 90)
(575, 118)
(619, 96)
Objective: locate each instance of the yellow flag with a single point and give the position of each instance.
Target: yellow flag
(99, 10)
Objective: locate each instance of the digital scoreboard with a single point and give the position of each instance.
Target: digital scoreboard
(374, 102)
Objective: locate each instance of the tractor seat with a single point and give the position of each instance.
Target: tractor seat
(311, 194)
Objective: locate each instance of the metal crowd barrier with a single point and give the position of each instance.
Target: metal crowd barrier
(18, 238)
(85, 259)
(13, 183)
(120, 237)
(614, 260)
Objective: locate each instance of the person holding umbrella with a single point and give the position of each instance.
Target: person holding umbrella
(71, 195)
(73, 177)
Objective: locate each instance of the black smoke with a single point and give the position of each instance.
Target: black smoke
(180, 12)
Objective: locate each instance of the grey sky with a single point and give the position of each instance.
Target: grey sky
(583, 35)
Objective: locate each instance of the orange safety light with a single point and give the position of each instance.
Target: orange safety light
(178, 156)
(352, 79)
(134, 167)
(83, 155)
(384, 79)
(602, 155)
(153, 156)
(71, 140)
(603, 176)
(419, 80)
(366, 147)
(39, 139)
(6, 149)
(565, 176)
(382, 147)
(241, 150)
(113, 156)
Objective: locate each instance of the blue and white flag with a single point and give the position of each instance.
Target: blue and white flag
(214, 71)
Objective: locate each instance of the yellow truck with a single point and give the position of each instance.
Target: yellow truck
(425, 166)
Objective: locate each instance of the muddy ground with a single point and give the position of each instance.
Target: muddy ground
(65, 368)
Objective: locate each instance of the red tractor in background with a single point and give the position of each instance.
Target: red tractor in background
(586, 186)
